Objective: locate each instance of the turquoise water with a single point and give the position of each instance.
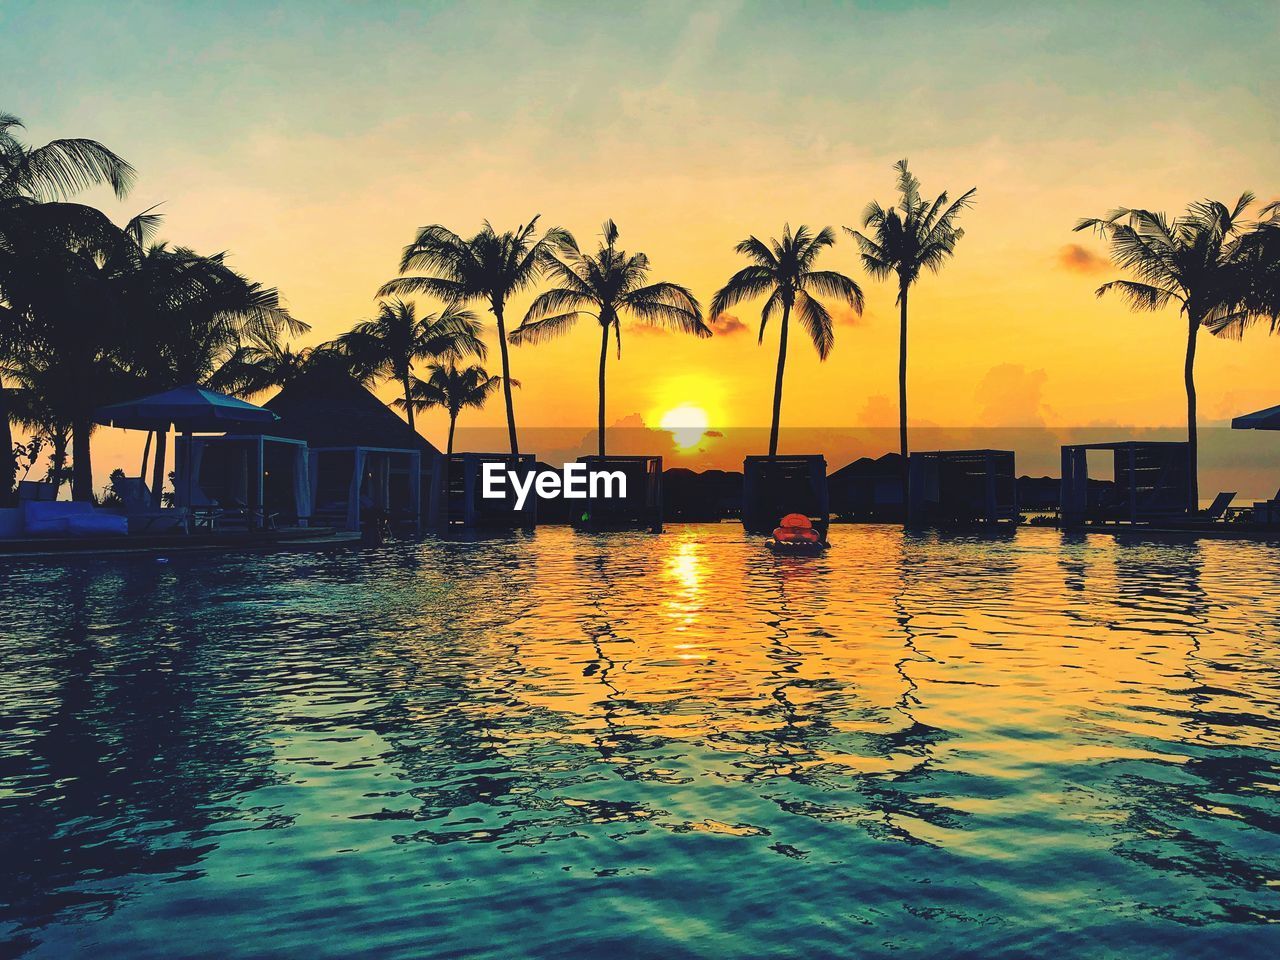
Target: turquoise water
(636, 746)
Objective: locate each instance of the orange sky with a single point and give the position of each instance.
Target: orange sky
(312, 145)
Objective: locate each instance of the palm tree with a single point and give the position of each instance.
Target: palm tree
(782, 269)
(605, 286)
(388, 345)
(191, 318)
(255, 367)
(452, 389)
(489, 266)
(1260, 255)
(59, 269)
(904, 240)
(36, 405)
(1207, 262)
(56, 171)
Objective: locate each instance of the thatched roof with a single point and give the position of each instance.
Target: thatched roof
(888, 465)
(328, 409)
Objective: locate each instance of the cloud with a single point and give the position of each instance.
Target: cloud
(844, 316)
(1078, 259)
(1011, 395)
(726, 324)
(878, 411)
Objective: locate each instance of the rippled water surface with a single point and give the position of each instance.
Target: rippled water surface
(672, 746)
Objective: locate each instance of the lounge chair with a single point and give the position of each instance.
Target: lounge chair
(1218, 508)
(205, 512)
(132, 491)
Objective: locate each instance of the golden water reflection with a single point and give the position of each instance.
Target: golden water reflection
(1039, 739)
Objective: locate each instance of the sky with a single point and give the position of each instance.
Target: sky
(312, 140)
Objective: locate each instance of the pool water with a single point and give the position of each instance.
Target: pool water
(571, 745)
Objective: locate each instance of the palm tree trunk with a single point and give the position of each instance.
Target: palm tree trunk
(902, 402)
(157, 472)
(58, 460)
(408, 402)
(146, 456)
(777, 380)
(8, 462)
(604, 353)
(81, 462)
(506, 380)
(453, 420)
(1193, 481)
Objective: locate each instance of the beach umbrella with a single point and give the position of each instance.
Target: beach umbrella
(188, 409)
(1268, 419)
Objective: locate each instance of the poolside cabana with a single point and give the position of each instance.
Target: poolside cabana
(457, 500)
(1263, 512)
(775, 486)
(189, 409)
(962, 486)
(254, 480)
(640, 509)
(363, 460)
(1151, 483)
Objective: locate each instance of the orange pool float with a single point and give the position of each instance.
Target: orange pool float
(796, 528)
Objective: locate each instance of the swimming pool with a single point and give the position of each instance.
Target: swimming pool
(562, 744)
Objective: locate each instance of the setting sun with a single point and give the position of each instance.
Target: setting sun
(687, 424)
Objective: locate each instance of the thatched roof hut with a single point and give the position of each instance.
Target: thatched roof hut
(364, 459)
(327, 408)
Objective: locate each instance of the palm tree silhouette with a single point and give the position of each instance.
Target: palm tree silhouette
(904, 240)
(605, 286)
(782, 269)
(390, 343)
(256, 367)
(489, 266)
(36, 406)
(1260, 255)
(1205, 261)
(453, 389)
(60, 266)
(190, 318)
(29, 175)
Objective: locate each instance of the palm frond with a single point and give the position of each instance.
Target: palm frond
(62, 168)
(830, 283)
(544, 329)
(816, 321)
(747, 284)
(1140, 296)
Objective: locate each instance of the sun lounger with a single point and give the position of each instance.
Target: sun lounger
(132, 491)
(1218, 508)
(69, 518)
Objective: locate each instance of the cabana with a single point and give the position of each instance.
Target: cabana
(457, 500)
(962, 486)
(775, 486)
(251, 480)
(1151, 483)
(640, 509)
(1263, 512)
(363, 460)
(189, 409)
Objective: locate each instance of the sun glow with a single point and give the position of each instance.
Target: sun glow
(687, 424)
